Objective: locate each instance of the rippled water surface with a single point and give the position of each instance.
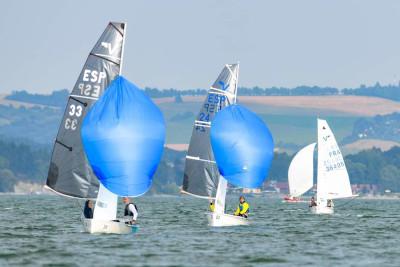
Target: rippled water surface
(45, 230)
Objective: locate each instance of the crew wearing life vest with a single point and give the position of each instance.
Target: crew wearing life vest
(212, 206)
(243, 208)
(131, 211)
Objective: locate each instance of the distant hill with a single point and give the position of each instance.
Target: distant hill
(28, 129)
(384, 127)
(292, 119)
(56, 98)
(28, 163)
(365, 144)
(35, 124)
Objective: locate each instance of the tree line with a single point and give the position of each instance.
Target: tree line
(372, 166)
(58, 98)
(26, 162)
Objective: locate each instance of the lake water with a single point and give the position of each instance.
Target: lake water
(46, 231)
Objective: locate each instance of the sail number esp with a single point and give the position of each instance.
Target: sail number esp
(92, 80)
(214, 103)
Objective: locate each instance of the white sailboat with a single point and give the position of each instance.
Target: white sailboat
(201, 176)
(300, 174)
(332, 177)
(70, 173)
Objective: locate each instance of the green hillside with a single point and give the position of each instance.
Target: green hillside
(288, 125)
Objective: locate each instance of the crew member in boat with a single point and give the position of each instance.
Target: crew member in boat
(329, 203)
(243, 208)
(88, 209)
(312, 202)
(212, 206)
(131, 211)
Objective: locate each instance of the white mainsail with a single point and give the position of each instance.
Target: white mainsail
(301, 171)
(333, 180)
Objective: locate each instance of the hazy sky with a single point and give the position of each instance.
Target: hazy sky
(185, 43)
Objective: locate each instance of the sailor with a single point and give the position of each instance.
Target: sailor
(312, 202)
(329, 203)
(212, 207)
(131, 211)
(243, 208)
(88, 209)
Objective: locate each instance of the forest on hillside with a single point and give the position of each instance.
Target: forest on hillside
(28, 163)
(386, 127)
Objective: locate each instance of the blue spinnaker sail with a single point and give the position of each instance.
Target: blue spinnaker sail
(123, 136)
(243, 146)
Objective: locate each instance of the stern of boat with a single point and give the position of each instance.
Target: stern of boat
(107, 227)
(321, 210)
(220, 220)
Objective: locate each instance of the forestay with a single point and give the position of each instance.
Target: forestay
(301, 171)
(201, 173)
(333, 180)
(70, 172)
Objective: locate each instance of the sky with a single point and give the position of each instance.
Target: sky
(185, 43)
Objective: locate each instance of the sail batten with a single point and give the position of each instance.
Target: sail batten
(70, 173)
(201, 174)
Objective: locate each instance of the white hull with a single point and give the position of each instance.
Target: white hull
(321, 210)
(106, 227)
(218, 220)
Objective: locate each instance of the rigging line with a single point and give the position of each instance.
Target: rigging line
(102, 57)
(77, 100)
(115, 27)
(64, 145)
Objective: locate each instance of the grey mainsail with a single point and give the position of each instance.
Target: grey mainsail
(201, 172)
(70, 173)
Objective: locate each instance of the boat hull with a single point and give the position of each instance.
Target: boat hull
(321, 210)
(221, 220)
(107, 227)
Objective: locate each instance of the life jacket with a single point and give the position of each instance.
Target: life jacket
(241, 206)
(127, 211)
(88, 212)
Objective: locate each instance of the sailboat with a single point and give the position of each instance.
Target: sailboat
(243, 148)
(300, 174)
(201, 176)
(332, 177)
(70, 173)
(123, 136)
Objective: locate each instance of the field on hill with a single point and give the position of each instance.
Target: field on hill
(291, 119)
(368, 144)
(362, 106)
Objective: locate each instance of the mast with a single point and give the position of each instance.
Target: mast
(70, 173)
(201, 174)
(220, 196)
